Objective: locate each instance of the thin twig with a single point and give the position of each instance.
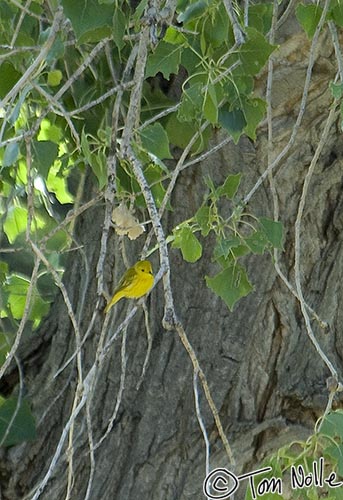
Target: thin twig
(88, 383)
(301, 113)
(27, 11)
(201, 422)
(297, 239)
(120, 391)
(41, 58)
(148, 352)
(20, 22)
(28, 302)
(18, 405)
(337, 47)
(238, 32)
(196, 367)
(102, 98)
(91, 449)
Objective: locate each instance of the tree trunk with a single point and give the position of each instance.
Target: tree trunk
(266, 378)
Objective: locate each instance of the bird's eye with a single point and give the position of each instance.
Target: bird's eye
(142, 270)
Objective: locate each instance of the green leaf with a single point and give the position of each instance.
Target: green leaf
(155, 140)
(336, 11)
(224, 246)
(119, 28)
(210, 106)
(210, 184)
(174, 36)
(202, 217)
(165, 59)
(190, 246)
(257, 242)
(58, 185)
(336, 90)
(91, 23)
(153, 174)
(192, 11)
(231, 284)
(44, 155)
(5, 345)
(8, 78)
(254, 111)
(191, 103)
(230, 186)
(180, 133)
(85, 147)
(233, 121)
(3, 271)
(15, 223)
(22, 428)
(335, 452)
(17, 108)
(49, 132)
(139, 10)
(99, 167)
(17, 287)
(309, 17)
(332, 425)
(11, 154)
(254, 53)
(54, 78)
(216, 28)
(260, 16)
(273, 231)
(57, 50)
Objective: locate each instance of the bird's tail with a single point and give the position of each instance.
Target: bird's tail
(113, 301)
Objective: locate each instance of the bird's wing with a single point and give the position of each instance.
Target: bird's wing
(127, 280)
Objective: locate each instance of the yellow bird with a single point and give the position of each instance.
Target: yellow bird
(135, 283)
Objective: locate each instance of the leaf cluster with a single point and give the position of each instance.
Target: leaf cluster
(326, 443)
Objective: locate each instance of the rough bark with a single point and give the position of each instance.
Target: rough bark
(265, 376)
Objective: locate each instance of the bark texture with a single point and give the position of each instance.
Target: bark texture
(266, 378)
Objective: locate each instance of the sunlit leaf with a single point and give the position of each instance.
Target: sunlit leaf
(54, 77)
(49, 132)
(15, 223)
(17, 287)
(58, 185)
